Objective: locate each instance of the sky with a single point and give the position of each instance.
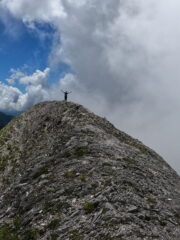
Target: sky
(119, 58)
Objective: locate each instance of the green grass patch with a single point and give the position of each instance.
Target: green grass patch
(31, 234)
(53, 224)
(89, 207)
(83, 178)
(81, 151)
(107, 164)
(17, 222)
(7, 234)
(3, 162)
(41, 171)
(129, 160)
(54, 236)
(163, 223)
(75, 235)
(66, 154)
(70, 174)
(152, 200)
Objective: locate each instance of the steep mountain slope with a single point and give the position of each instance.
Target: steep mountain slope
(66, 173)
(4, 119)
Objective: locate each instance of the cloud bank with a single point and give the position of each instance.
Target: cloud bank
(124, 55)
(36, 89)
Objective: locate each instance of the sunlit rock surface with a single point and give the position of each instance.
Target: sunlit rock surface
(66, 173)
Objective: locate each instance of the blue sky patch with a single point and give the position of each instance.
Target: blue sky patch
(26, 49)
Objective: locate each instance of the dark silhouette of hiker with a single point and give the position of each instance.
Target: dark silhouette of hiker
(65, 94)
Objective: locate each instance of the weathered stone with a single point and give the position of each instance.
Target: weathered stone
(66, 173)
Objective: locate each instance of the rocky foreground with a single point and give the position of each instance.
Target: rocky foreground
(67, 174)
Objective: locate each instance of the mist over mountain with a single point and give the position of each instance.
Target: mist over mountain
(66, 173)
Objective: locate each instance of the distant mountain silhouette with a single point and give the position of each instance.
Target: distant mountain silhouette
(67, 174)
(4, 119)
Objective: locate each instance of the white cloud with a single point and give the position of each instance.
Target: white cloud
(9, 97)
(36, 90)
(125, 55)
(37, 78)
(15, 75)
(35, 10)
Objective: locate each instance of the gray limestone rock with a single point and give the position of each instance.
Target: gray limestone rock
(68, 174)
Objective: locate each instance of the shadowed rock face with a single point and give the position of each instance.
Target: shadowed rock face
(4, 119)
(66, 173)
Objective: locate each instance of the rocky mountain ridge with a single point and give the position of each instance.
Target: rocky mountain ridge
(66, 173)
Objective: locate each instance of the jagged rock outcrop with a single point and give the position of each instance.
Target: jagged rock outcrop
(66, 173)
(4, 119)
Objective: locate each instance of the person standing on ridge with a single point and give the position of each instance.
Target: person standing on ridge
(65, 94)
